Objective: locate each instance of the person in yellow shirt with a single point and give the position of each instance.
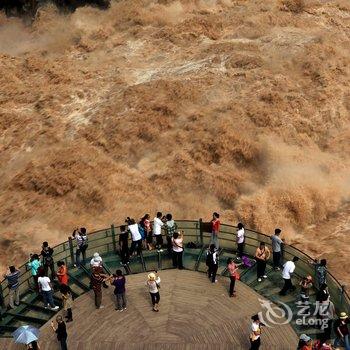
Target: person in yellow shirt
(262, 254)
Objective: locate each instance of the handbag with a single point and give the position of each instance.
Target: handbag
(237, 275)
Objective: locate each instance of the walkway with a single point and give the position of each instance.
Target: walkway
(194, 314)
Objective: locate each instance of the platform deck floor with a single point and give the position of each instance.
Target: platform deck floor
(194, 314)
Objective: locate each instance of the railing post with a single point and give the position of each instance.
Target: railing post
(200, 231)
(70, 242)
(113, 239)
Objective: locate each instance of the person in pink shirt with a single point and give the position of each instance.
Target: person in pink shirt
(232, 269)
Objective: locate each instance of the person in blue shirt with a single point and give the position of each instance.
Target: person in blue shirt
(34, 265)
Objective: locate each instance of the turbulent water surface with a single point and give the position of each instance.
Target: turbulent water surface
(190, 106)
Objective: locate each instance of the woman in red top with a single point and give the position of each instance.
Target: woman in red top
(215, 222)
(61, 273)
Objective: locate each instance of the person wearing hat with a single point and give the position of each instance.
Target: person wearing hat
(96, 261)
(153, 283)
(255, 333)
(304, 342)
(342, 331)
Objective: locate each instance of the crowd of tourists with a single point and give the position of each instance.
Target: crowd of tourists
(148, 235)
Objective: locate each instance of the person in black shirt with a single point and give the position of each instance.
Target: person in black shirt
(61, 332)
(123, 245)
(48, 262)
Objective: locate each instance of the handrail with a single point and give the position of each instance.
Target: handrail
(260, 234)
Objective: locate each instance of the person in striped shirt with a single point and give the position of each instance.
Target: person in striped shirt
(13, 284)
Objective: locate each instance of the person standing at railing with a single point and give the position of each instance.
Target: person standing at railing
(178, 249)
(277, 249)
(171, 227)
(288, 269)
(148, 231)
(82, 245)
(240, 240)
(48, 262)
(13, 285)
(136, 238)
(157, 230)
(262, 254)
(321, 271)
(34, 265)
(124, 245)
(215, 228)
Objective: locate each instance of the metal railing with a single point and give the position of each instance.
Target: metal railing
(105, 241)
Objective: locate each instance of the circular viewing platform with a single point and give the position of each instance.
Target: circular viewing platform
(194, 313)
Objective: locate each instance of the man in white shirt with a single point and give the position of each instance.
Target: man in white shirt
(157, 230)
(240, 240)
(288, 269)
(45, 288)
(135, 237)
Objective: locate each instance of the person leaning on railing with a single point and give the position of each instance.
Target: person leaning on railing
(171, 227)
(320, 271)
(13, 284)
(124, 245)
(240, 240)
(47, 258)
(81, 239)
(34, 265)
(158, 223)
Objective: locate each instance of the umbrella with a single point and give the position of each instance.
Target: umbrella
(25, 334)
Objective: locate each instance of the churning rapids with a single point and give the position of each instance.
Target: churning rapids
(193, 106)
